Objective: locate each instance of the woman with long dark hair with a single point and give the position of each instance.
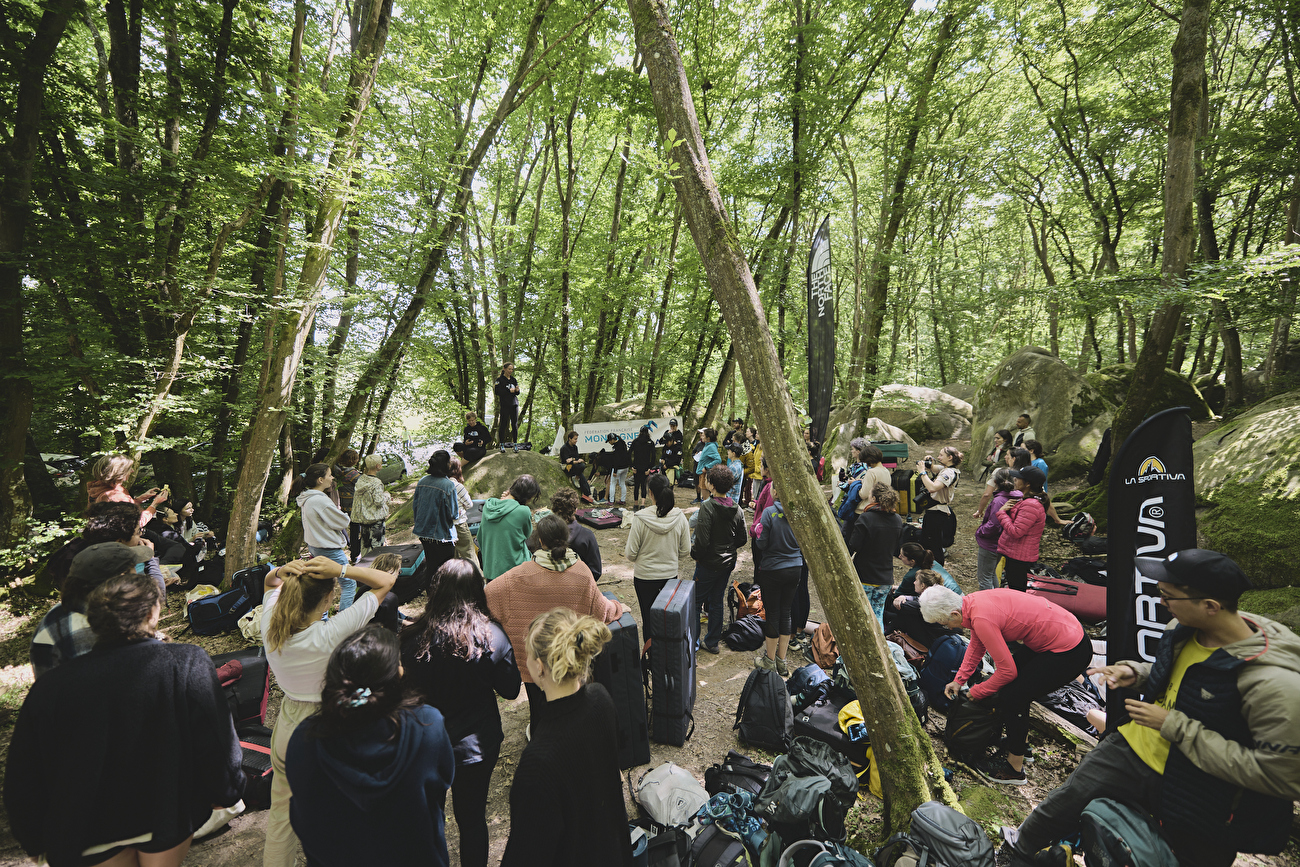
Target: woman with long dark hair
(574, 465)
(120, 754)
(370, 771)
(657, 542)
(324, 525)
(643, 460)
(435, 512)
(457, 659)
(986, 536)
(873, 540)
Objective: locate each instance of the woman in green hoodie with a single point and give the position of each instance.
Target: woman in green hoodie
(507, 524)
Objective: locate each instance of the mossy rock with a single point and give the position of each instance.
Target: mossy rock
(492, 476)
(1032, 380)
(1282, 605)
(1174, 390)
(1074, 456)
(992, 808)
(1261, 443)
(1255, 527)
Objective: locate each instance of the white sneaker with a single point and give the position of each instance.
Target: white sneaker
(528, 732)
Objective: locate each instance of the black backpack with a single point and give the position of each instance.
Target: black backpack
(940, 836)
(213, 615)
(736, 773)
(715, 847)
(763, 714)
(745, 633)
(809, 792)
(972, 727)
(1080, 528)
(1092, 570)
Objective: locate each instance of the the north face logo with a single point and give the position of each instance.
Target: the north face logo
(1207, 695)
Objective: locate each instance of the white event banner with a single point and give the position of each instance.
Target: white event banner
(591, 437)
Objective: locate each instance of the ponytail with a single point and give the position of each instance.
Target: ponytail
(919, 555)
(363, 683)
(566, 643)
(662, 490)
(309, 479)
(553, 535)
(300, 596)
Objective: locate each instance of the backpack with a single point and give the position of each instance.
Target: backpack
(1080, 528)
(763, 714)
(824, 648)
(945, 658)
(669, 849)
(717, 847)
(1091, 570)
(849, 504)
(971, 729)
(809, 792)
(745, 633)
(807, 685)
(670, 795)
(736, 773)
(828, 855)
(745, 599)
(1117, 835)
(732, 814)
(215, 614)
(939, 836)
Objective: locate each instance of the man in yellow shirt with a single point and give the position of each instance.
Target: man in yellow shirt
(1212, 749)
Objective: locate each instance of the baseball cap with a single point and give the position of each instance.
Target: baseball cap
(672, 422)
(1210, 572)
(99, 562)
(1033, 475)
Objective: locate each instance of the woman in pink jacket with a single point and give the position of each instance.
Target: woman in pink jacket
(1022, 523)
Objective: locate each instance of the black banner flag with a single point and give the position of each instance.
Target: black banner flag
(821, 331)
(1152, 514)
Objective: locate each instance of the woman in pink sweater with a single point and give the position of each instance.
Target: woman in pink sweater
(1022, 523)
(1052, 651)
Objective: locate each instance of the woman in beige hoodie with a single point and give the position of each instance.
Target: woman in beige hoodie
(657, 540)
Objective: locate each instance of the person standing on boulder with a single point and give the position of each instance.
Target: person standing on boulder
(507, 392)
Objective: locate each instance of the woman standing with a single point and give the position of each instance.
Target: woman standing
(435, 512)
(298, 647)
(782, 566)
(120, 754)
(1051, 650)
(705, 458)
(719, 532)
(324, 525)
(507, 391)
(345, 476)
(753, 461)
(735, 450)
(554, 576)
(507, 523)
(993, 460)
(109, 479)
(574, 465)
(617, 463)
(873, 541)
(370, 504)
(939, 524)
(986, 536)
(566, 802)
(657, 542)
(371, 768)
(1022, 522)
(643, 460)
(465, 549)
(458, 660)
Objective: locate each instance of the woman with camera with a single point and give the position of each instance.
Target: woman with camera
(939, 523)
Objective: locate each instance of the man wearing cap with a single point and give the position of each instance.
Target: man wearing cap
(1213, 746)
(64, 631)
(672, 453)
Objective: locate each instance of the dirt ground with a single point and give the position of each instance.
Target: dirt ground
(720, 681)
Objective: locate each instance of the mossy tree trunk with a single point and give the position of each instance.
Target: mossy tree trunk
(1179, 230)
(910, 771)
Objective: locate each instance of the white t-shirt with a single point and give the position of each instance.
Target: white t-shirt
(299, 665)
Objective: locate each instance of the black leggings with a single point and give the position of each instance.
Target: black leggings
(778, 586)
(802, 605)
(1036, 674)
(576, 475)
(1015, 574)
(469, 795)
(937, 532)
(509, 431)
(640, 483)
(647, 591)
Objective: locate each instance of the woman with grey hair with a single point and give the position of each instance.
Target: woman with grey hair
(1050, 650)
(986, 536)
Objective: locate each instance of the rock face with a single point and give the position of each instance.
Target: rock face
(1248, 472)
(1074, 454)
(1175, 390)
(961, 391)
(924, 413)
(1032, 380)
(492, 476)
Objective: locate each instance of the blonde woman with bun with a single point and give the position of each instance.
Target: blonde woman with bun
(566, 802)
(110, 477)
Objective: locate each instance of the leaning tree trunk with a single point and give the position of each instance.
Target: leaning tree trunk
(910, 771)
(1180, 229)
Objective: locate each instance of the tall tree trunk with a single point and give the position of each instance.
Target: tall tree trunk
(719, 397)
(17, 161)
(340, 338)
(1179, 228)
(1281, 338)
(663, 316)
(912, 775)
(369, 448)
(291, 334)
(615, 224)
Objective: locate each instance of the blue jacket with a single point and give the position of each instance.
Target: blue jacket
(368, 797)
(707, 457)
(435, 509)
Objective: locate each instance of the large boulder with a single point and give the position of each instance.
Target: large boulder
(1032, 380)
(626, 410)
(1074, 454)
(1174, 390)
(879, 430)
(492, 476)
(1248, 476)
(961, 391)
(925, 413)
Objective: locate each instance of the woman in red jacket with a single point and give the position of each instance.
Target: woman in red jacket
(1022, 523)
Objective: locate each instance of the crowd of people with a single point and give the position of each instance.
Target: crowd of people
(125, 744)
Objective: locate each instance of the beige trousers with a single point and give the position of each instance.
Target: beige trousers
(281, 843)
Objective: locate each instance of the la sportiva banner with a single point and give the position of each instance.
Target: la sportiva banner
(821, 331)
(1152, 514)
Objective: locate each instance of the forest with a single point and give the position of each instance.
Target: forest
(234, 233)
